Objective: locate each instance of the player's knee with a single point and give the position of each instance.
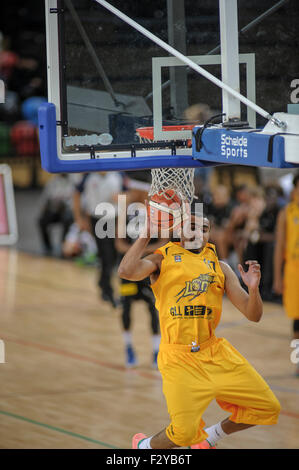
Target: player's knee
(183, 435)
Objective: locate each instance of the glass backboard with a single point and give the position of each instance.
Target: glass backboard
(106, 79)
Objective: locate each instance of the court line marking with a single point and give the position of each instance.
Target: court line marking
(290, 414)
(104, 364)
(54, 428)
(39, 284)
(79, 357)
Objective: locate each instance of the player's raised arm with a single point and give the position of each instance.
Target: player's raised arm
(135, 268)
(250, 304)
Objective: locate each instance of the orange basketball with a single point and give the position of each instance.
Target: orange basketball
(164, 210)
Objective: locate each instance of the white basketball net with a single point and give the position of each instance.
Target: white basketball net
(181, 180)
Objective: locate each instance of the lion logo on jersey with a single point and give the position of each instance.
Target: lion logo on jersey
(197, 286)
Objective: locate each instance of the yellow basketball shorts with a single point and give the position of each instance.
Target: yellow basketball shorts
(191, 380)
(290, 290)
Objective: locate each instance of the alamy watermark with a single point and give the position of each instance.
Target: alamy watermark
(2, 352)
(2, 91)
(132, 221)
(295, 92)
(295, 353)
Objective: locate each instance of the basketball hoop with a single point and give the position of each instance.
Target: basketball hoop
(181, 180)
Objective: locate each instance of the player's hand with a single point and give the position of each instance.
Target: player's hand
(148, 228)
(252, 276)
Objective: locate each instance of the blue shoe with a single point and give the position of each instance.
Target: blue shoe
(131, 360)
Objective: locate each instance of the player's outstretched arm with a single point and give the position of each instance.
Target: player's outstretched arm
(250, 304)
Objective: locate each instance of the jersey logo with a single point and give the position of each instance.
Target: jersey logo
(177, 258)
(197, 286)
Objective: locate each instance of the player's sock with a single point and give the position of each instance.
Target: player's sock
(215, 433)
(145, 443)
(156, 344)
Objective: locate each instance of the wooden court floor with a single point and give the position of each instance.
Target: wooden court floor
(64, 384)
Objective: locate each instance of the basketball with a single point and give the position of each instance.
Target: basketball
(164, 209)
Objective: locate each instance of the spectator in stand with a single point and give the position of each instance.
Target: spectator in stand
(23, 75)
(261, 238)
(233, 235)
(80, 244)
(56, 208)
(218, 211)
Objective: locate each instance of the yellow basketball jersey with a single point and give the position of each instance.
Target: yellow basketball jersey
(292, 233)
(188, 294)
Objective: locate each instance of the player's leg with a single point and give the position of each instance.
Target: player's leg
(296, 337)
(188, 391)
(218, 431)
(108, 259)
(244, 393)
(240, 391)
(296, 329)
(158, 441)
(46, 219)
(145, 293)
(130, 354)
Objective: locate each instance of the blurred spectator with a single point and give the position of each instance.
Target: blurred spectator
(30, 108)
(198, 113)
(56, 208)
(232, 238)
(96, 188)
(261, 238)
(218, 211)
(79, 244)
(286, 183)
(23, 77)
(8, 63)
(24, 138)
(22, 74)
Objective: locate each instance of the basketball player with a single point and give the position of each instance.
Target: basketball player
(287, 251)
(195, 365)
(93, 189)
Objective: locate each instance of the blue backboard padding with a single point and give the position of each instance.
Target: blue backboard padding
(240, 148)
(53, 164)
